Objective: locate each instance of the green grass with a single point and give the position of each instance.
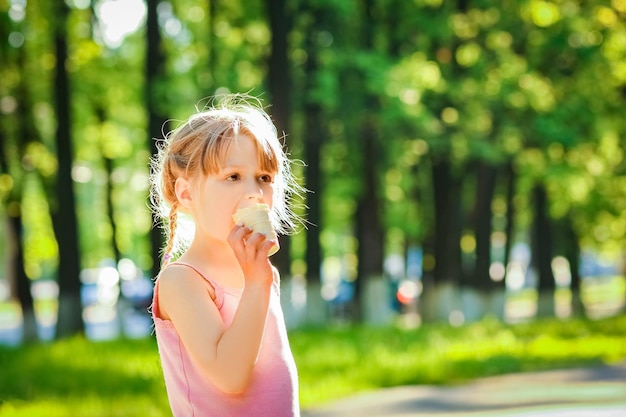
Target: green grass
(75, 377)
(123, 378)
(336, 363)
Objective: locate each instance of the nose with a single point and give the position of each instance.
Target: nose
(253, 190)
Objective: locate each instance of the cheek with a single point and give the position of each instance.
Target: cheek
(269, 193)
(219, 224)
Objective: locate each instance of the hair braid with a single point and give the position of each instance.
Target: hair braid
(173, 223)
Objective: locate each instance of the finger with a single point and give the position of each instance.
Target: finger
(265, 248)
(238, 233)
(258, 246)
(237, 236)
(254, 242)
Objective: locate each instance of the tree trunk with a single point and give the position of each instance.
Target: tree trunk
(314, 132)
(483, 219)
(64, 220)
(211, 44)
(483, 295)
(572, 254)
(110, 207)
(510, 213)
(448, 223)
(22, 283)
(441, 297)
(375, 303)
(279, 85)
(542, 252)
(316, 311)
(18, 281)
(155, 69)
(372, 301)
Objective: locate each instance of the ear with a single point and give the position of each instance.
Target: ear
(182, 186)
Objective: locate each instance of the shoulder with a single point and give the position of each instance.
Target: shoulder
(179, 277)
(179, 284)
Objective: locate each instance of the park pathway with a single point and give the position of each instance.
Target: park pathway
(587, 392)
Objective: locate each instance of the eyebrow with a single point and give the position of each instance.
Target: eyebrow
(224, 167)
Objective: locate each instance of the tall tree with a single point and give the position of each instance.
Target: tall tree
(14, 140)
(109, 165)
(542, 251)
(509, 228)
(155, 73)
(314, 132)
(64, 214)
(446, 235)
(448, 173)
(212, 42)
(370, 287)
(483, 219)
(570, 244)
(26, 134)
(19, 282)
(279, 86)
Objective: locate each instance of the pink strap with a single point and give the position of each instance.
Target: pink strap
(219, 290)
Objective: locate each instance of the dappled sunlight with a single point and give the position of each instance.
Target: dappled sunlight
(604, 296)
(119, 19)
(364, 358)
(76, 377)
(466, 162)
(105, 378)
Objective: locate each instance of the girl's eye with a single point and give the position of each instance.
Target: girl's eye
(232, 177)
(266, 178)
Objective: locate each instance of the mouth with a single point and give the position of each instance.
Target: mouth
(257, 218)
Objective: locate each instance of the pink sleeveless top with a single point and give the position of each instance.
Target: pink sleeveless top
(273, 391)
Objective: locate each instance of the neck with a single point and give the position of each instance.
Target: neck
(211, 250)
(217, 259)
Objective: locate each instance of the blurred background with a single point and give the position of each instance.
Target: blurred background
(465, 158)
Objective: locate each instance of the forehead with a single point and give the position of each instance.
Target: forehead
(243, 149)
(240, 149)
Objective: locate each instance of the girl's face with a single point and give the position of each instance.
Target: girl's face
(241, 182)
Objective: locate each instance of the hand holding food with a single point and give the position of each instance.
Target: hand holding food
(256, 217)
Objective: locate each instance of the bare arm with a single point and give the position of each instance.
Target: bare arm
(225, 355)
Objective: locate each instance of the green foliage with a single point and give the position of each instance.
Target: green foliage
(41, 253)
(536, 84)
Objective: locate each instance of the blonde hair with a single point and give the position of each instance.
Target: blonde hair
(198, 147)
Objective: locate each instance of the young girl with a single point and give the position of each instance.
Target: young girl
(218, 321)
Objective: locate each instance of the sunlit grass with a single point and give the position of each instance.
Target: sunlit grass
(78, 378)
(90, 406)
(336, 363)
(123, 378)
